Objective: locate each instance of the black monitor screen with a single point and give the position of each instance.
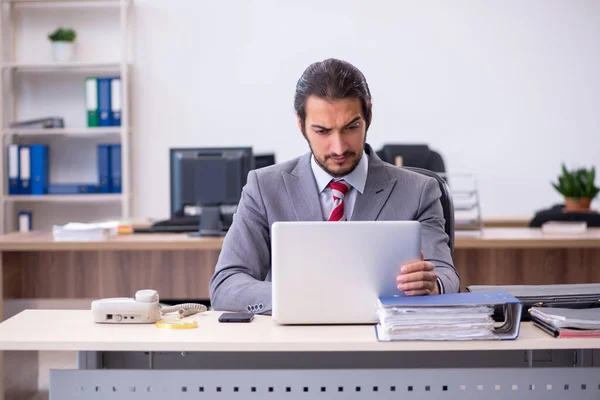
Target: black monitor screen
(208, 176)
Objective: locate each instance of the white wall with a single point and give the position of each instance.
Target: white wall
(506, 90)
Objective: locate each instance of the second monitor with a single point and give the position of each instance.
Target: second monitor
(209, 178)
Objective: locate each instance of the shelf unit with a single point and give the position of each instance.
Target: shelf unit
(83, 132)
(73, 198)
(10, 68)
(61, 67)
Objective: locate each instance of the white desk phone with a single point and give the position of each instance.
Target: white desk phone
(143, 309)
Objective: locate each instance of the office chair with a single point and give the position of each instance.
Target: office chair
(413, 155)
(556, 213)
(447, 204)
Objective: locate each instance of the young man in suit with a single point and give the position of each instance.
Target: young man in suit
(340, 179)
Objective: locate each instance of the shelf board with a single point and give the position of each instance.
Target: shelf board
(71, 198)
(111, 130)
(60, 1)
(63, 67)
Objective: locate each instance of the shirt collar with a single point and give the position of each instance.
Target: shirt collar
(357, 178)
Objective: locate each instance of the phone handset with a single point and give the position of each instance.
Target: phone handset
(144, 308)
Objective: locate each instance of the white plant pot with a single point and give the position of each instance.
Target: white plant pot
(63, 51)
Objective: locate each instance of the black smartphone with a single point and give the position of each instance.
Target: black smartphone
(236, 317)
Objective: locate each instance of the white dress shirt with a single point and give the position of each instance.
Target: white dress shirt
(356, 179)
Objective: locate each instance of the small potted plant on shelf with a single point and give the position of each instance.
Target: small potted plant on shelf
(63, 44)
(578, 188)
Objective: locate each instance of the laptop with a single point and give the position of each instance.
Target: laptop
(334, 272)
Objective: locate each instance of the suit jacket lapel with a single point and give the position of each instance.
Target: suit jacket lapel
(302, 191)
(377, 190)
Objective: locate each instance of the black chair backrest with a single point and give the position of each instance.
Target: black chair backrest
(413, 155)
(447, 204)
(556, 213)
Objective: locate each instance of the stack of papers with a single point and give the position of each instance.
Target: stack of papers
(82, 232)
(566, 322)
(564, 227)
(436, 323)
(462, 316)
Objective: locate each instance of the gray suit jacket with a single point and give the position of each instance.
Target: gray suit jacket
(288, 192)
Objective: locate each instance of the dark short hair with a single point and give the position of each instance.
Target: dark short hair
(332, 79)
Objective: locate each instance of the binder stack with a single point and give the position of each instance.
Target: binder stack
(28, 170)
(567, 322)
(103, 101)
(462, 316)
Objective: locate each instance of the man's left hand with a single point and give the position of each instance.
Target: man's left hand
(418, 278)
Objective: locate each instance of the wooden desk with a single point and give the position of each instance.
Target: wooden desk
(179, 267)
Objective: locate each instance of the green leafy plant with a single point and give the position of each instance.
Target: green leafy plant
(577, 184)
(62, 35)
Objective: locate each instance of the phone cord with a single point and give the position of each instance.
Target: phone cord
(184, 310)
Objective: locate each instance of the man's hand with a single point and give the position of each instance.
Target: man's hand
(418, 278)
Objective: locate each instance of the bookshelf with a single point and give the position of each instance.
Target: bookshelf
(73, 198)
(17, 66)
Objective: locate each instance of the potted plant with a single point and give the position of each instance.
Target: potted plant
(578, 188)
(63, 44)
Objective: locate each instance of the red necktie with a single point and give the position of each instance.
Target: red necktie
(339, 190)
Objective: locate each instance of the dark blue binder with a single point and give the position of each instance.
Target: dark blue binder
(39, 169)
(72, 188)
(115, 101)
(25, 170)
(104, 110)
(115, 168)
(13, 168)
(104, 168)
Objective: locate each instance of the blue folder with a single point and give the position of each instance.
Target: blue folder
(511, 306)
(72, 188)
(115, 168)
(13, 168)
(40, 173)
(115, 101)
(24, 170)
(104, 109)
(104, 168)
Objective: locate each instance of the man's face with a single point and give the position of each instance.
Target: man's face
(336, 133)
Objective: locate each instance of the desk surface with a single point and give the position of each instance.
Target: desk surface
(490, 238)
(43, 241)
(74, 331)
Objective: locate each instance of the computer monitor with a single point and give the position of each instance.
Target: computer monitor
(264, 160)
(208, 178)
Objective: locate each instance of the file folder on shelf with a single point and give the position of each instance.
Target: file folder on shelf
(104, 168)
(115, 101)
(24, 221)
(39, 169)
(91, 101)
(104, 110)
(72, 188)
(25, 170)
(115, 168)
(14, 184)
(448, 317)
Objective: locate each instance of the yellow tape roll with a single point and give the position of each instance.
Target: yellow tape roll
(176, 324)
